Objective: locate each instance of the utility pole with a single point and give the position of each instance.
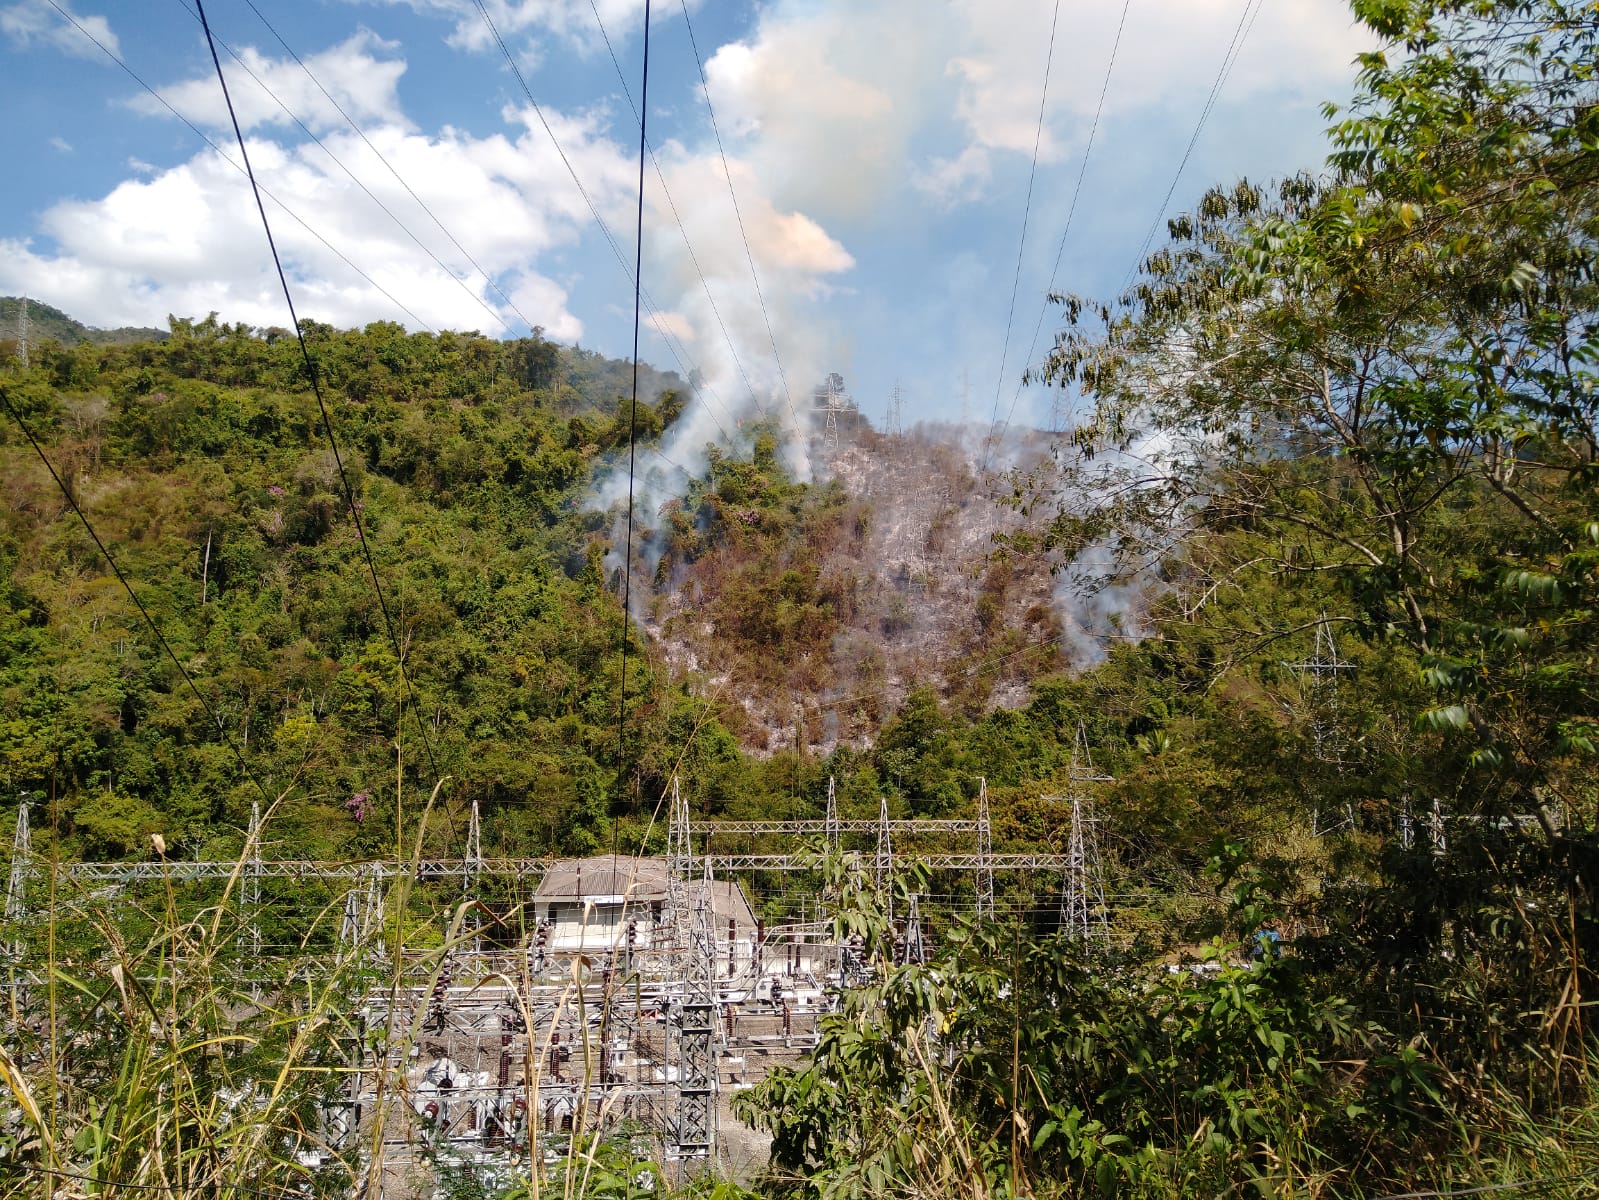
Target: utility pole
(21, 860)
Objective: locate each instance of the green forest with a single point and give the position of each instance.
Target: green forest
(1347, 417)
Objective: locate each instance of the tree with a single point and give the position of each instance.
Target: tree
(1376, 390)
(1384, 378)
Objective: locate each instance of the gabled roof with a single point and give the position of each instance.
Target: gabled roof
(640, 880)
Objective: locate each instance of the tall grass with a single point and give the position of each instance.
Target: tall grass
(147, 1050)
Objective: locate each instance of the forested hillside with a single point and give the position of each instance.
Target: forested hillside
(203, 465)
(46, 323)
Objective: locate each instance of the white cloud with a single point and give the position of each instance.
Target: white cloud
(61, 145)
(31, 23)
(567, 23)
(187, 240)
(360, 82)
(833, 105)
(953, 180)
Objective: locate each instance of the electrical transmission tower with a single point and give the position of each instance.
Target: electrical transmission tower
(893, 422)
(834, 403)
(1082, 898)
(1319, 678)
(22, 332)
(696, 1067)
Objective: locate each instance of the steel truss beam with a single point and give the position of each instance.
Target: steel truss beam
(522, 869)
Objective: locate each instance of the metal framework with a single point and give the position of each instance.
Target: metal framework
(834, 402)
(893, 421)
(1320, 677)
(985, 855)
(832, 826)
(528, 870)
(695, 1130)
(1082, 900)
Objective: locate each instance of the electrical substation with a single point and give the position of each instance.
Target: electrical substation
(574, 996)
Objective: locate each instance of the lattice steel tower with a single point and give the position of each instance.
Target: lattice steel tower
(1319, 679)
(1082, 897)
(696, 1039)
(834, 403)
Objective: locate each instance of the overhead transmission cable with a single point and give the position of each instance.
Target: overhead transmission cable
(605, 230)
(1021, 244)
(337, 161)
(322, 408)
(632, 420)
(676, 216)
(5, 398)
(223, 155)
(398, 178)
(1246, 22)
(727, 173)
(1071, 211)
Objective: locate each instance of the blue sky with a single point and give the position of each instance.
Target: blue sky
(880, 151)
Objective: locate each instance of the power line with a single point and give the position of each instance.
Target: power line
(398, 178)
(676, 217)
(316, 389)
(321, 145)
(605, 230)
(1071, 210)
(5, 398)
(1246, 22)
(204, 137)
(705, 85)
(1021, 245)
